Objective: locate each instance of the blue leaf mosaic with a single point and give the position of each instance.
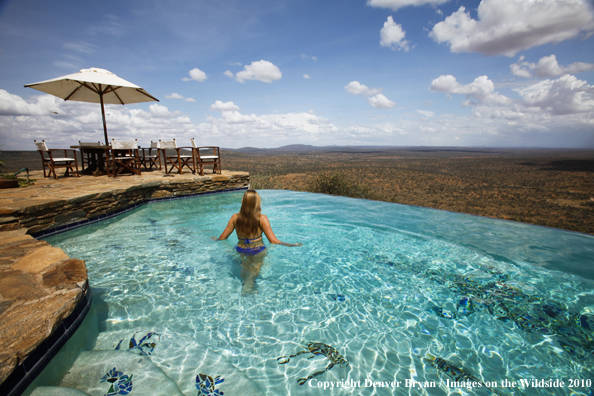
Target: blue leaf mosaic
(121, 384)
(206, 385)
(143, 346)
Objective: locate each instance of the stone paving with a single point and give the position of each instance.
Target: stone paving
(39, 284)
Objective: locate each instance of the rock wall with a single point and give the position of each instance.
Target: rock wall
(53, 214)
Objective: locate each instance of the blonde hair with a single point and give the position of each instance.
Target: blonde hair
(248, 218)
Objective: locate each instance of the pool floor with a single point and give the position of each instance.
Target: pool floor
(381, 299)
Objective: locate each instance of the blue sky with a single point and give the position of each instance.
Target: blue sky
(497, 73)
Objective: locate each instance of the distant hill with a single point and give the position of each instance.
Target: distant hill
(17, 160)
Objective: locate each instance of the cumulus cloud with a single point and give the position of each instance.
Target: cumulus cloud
(397, 4)
(379, 101)
(196, 75)
(178, 96)
(161, 111)
(480, 91)
(261, 70)
(14, 105)
(223, 106)
(376, 99)
(273, 126)
(566, 95)
(392, 36)
(550, 112)
(356, 88)
(306, 76)
(547, 66)
(505, 27)
(229, 74)
(63, 122)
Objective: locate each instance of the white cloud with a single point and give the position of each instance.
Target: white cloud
(229, 74)
(251, 129)
(261, 70)
(548, 66)
(505, 27)
(178, 96)
(379, 101)
(196, 75)
(566, 95)
(376, 99)
(558, 113)
(480, 91)
(306, 76)
(223, 106)
(313, 58)
(392, 36)
(174, 96)
(521, 68)
(426, 113)
(161, 111)
(356, 88)
(397, 4)
(14, 105)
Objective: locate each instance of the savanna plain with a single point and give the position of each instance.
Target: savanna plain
(548, 187)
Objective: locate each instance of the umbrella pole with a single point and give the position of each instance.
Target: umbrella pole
(103, 114)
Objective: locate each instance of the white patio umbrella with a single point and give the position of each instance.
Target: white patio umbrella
(96, 86)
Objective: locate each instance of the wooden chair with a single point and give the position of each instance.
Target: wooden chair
(123, 157)
(150, 159)
(208, 155)
(86, 157)
(51, 161)
(175, 158)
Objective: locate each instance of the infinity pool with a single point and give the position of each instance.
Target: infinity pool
(403, 300)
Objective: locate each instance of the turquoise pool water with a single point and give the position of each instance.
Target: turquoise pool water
(418, 301)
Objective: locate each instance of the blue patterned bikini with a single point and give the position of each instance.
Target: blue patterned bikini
(250, 250)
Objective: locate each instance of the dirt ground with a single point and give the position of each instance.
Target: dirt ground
(547, 187)
(553, 188)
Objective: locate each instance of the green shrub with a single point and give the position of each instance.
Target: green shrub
(340, 184)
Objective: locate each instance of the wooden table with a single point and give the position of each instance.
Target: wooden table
(97, 159)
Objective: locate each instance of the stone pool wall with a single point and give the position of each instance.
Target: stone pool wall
(42, 290)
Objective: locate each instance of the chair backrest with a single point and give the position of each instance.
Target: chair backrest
(89, 144)
(124, 144)
(155, 145)
(41, 146)
(168, 144)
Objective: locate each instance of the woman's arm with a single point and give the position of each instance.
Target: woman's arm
(229, 229)
(265, 225)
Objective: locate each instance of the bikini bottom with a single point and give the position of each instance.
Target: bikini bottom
(250, 251)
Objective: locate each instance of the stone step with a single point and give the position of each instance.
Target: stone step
(57, 391)
(116, 372)
(182, 359)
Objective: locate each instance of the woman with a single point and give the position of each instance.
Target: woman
(249, 225)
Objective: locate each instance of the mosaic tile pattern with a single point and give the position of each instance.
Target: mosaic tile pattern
(316, 349)
(206, 385)
(121, 384)
(143, 346)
